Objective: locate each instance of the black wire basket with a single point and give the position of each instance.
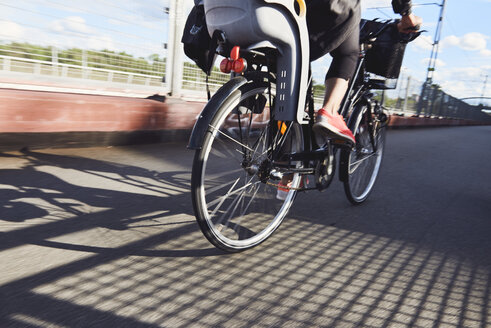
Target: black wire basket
(384, 56)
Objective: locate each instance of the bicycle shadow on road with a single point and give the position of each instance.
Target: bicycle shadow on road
(93, 212)
(56, 195)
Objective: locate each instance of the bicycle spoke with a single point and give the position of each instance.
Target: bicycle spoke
(364, 163)
(220, 152)
(229, 137)
(222, 199)
(244, 210)
(229, 210)
(258, 141)
(235, 203)
(358, 162)
(273, 146)
(228, 195)
(237, 211)
(220, 184)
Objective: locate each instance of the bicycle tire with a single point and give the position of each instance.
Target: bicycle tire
(221, 183)
(360, 166)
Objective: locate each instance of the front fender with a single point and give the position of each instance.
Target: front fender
(207, 114)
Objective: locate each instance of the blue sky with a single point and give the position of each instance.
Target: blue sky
(140, 28)
(465, 50)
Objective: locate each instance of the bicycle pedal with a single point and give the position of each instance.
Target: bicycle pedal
(342, 143)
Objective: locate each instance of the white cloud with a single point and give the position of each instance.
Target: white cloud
(136, 27)
(485, 52)
(462, 73)
(73, 24)
(117, 22)
(462, 81)
(439, 62)
(101, 42)
(471, 41)
(72, 31)
(423, 42)
(450, 41)
(460, 89)
(375, 3)
(11, 31)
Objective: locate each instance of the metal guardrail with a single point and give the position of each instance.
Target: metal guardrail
(195, 79)
(439, 105)
(39, 67)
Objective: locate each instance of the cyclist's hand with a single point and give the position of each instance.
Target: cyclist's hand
(409, 23)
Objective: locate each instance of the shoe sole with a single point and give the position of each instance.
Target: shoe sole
(326, 130)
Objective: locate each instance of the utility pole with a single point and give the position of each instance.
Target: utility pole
(436, 45)
(433, 59)
(484, 87)
(408, 85)
(173, 65)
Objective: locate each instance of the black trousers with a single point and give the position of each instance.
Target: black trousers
(345, 57)
(334, 27)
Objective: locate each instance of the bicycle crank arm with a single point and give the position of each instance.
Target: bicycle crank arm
(341, 144)
(290, 169)
(315, 155)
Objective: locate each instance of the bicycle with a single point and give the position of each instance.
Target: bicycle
(246, 139)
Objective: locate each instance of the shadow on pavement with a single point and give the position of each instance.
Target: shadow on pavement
(128, 253)
(41, 206)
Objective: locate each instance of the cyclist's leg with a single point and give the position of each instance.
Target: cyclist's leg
(345, 58)
(329, 123)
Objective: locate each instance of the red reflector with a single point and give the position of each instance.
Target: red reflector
(226, 66)
(235, 53)
(239, 65)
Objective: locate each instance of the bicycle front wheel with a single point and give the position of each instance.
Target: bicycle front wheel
(234, 194)
(361, 164)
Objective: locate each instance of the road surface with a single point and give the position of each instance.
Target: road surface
(105, 237)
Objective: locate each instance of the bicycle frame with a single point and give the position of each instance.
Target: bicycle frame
(293, 92)
(239, 171)
(358, 93)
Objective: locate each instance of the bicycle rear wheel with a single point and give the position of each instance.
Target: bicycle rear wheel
(361, 164)
(234, 197)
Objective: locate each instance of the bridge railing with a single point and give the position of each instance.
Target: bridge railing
(121, 69)
(414, 98)
(194, 79)
(39, 67)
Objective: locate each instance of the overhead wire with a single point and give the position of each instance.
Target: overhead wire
(77, 35)
(110, 4)
(100, 14)
(413, 5)
(88, 24)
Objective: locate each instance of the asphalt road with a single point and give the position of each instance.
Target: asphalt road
(105, 237)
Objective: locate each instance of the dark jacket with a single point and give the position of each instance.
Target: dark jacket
(330, 22)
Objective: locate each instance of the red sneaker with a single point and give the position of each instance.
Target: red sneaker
(332, 126)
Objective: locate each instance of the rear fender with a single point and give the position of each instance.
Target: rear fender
(204, 119)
